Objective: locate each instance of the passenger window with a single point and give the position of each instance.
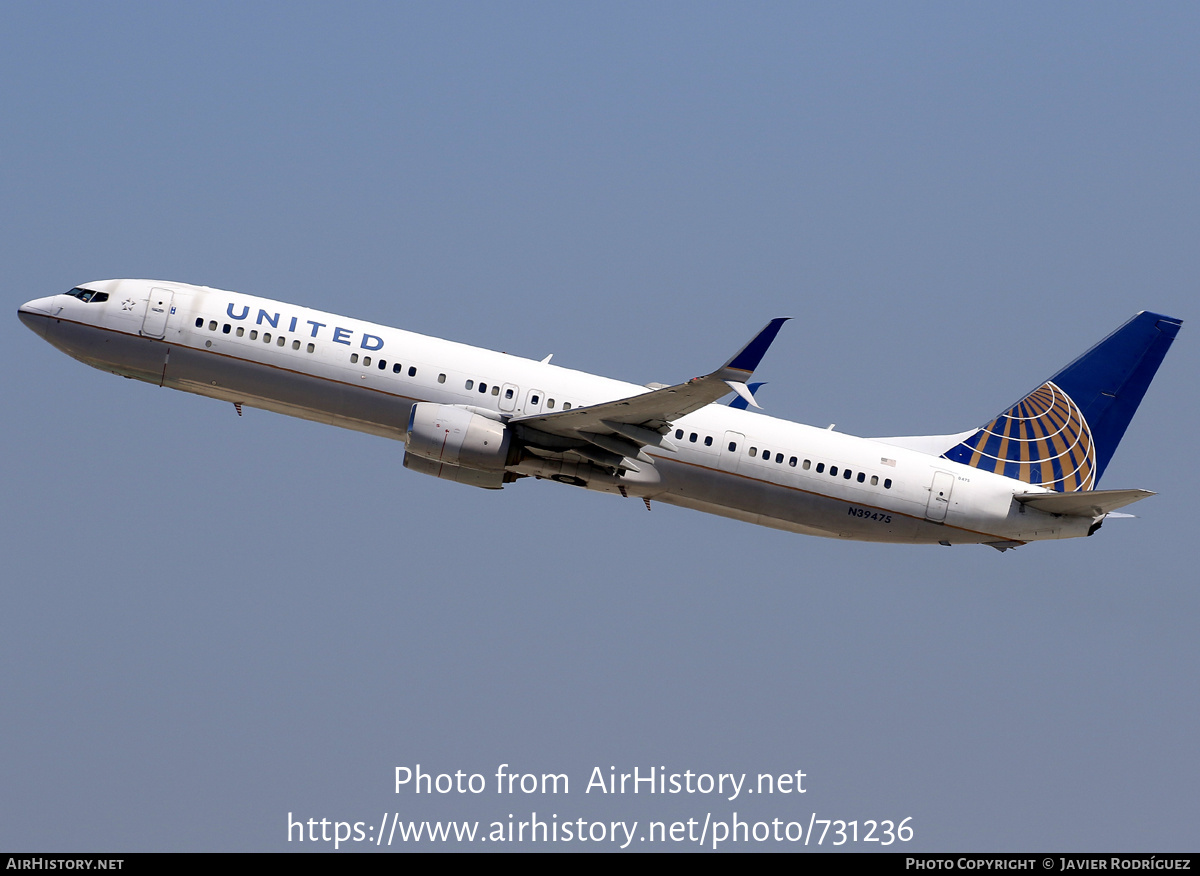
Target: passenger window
(833, 471)
(397, 368)
(807, 465)
(199, 322)
(820, 467)
(495, 390)
(566, 406)
(212, 325)
(874, 480)
(708, 440)
(692, 438)
(282, 340)
(441, 378)
(533, 399)
(254, 334)
(847, 474)
(412, 370)
(732, 446)
(266, 337)
(295, 345)
(312, 348)
(779, 457)
(470, 384)
(753, 452)
(861, 477)
(550, 403)
(241, 331)
(353, 358)
(483, 387)
(678, 433)
(383, 364)
(225, 329)
(887, 484)
(508, 393)
(367, 361)
(792, 462)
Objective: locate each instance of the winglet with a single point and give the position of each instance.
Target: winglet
(740, 403)
(747, 358)
(656, 408)
(744, 395)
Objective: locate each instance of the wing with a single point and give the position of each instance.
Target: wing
(610, 433)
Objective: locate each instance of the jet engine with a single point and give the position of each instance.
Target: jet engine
(459, 445)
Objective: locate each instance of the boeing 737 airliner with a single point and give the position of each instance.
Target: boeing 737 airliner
(487, 419)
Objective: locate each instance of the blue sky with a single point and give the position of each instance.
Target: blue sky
(210, 622)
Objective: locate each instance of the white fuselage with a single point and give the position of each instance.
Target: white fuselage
(358, 375)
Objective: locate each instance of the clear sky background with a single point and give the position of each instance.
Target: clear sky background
(209, 622)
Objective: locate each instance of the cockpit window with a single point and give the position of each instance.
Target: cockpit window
(88, 295)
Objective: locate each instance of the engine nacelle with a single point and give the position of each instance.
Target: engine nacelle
(488, 480)
(450, 435)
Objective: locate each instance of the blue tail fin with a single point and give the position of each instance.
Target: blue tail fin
(1062, 435)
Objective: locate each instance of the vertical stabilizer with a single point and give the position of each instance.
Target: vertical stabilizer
(1062, 435)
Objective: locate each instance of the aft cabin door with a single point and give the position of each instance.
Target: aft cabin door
(158, 308)
(939, 496)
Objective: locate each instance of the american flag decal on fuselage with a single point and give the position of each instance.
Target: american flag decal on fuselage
(1043, 440)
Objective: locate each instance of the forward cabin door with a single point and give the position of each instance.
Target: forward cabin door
(158, 308)
(939, 496)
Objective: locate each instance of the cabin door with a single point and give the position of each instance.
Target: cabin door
(939, 496)
(158, 308)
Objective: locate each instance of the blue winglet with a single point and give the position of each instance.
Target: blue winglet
(740, 403)
(749, 356)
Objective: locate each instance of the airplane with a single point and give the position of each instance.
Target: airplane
(487, 419)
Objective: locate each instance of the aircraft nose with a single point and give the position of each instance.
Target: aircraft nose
(35, 314)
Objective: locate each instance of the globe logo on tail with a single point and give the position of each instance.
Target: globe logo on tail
(1043, 440)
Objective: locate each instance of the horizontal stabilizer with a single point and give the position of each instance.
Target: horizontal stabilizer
(1082, 503)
